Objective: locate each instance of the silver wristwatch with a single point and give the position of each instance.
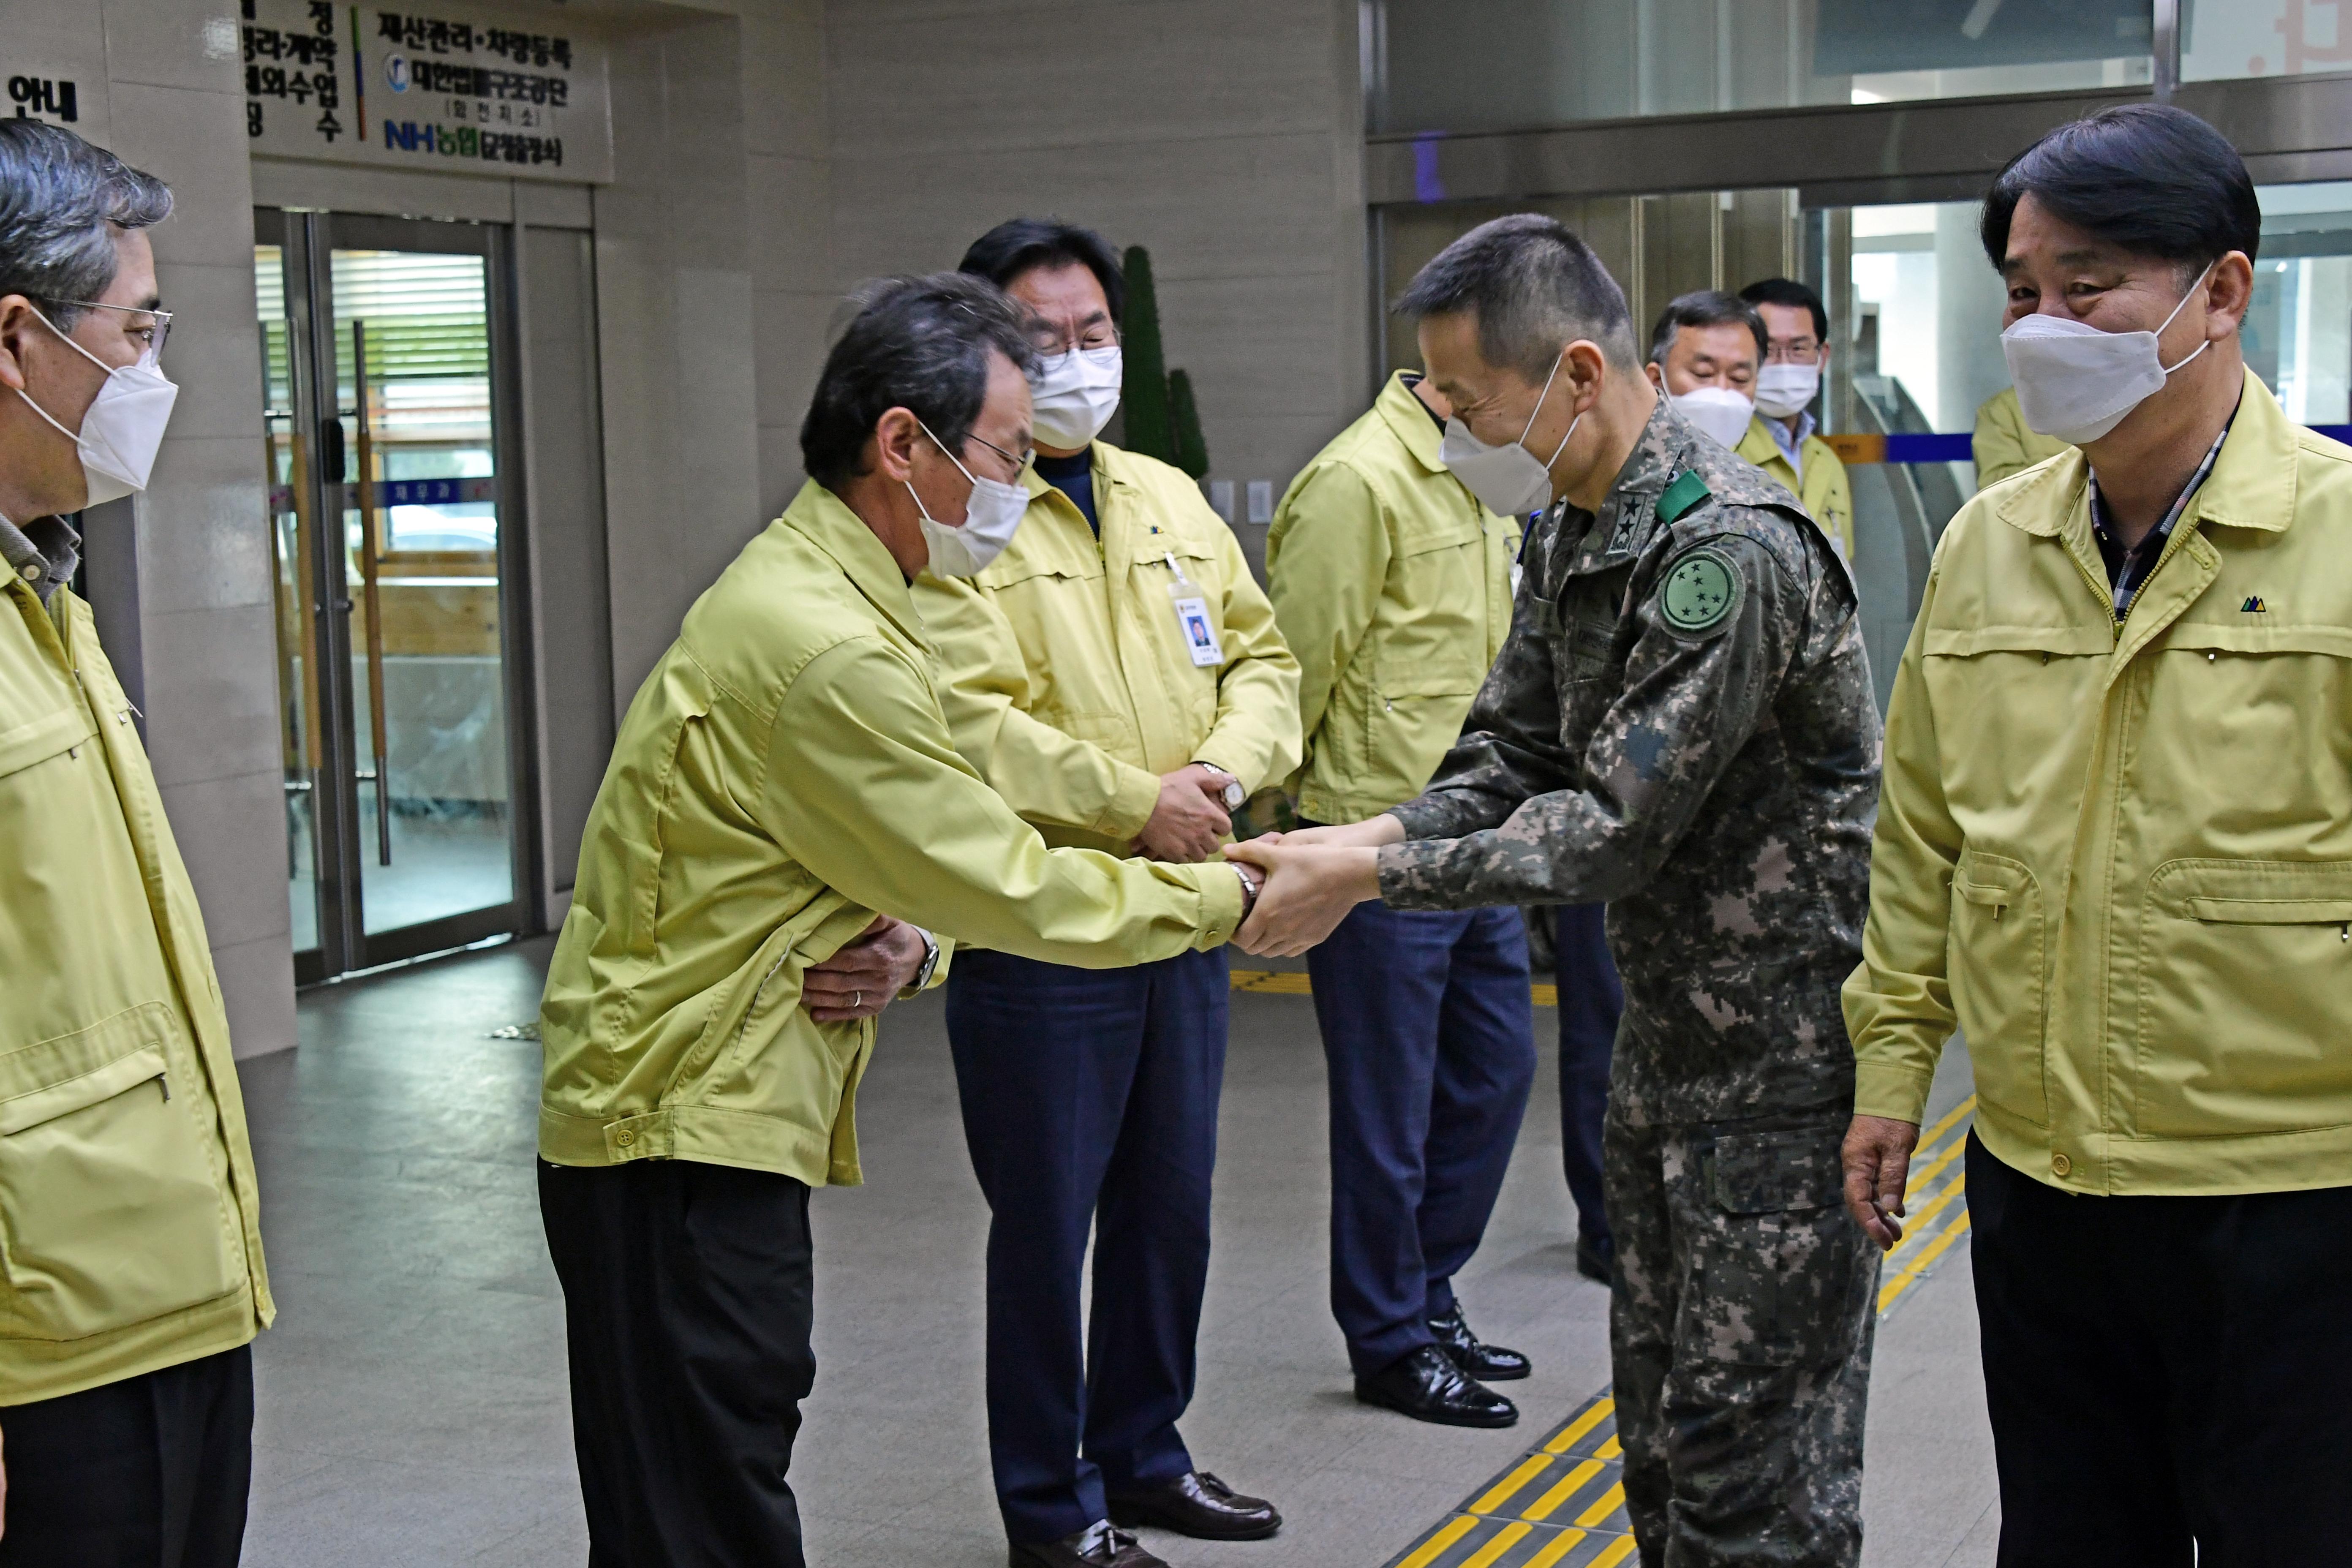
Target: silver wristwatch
(930, 960)
(1233, 795)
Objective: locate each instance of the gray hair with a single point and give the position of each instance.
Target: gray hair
(60, 200)
(919, 343)
(1706, 308)
(1532, 287)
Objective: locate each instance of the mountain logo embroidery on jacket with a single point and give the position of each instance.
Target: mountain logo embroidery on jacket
(2254, 605)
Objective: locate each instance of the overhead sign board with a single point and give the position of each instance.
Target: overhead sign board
(444, 89)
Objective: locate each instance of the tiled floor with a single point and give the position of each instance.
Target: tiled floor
(413, 1406)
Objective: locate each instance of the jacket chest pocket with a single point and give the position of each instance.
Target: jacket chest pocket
(1996, 963)
(2237, 736)
(115, 1210)
(2245, 980)
(1589, 616)
(1433, 639)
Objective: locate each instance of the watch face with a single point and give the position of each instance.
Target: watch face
(1234, 794)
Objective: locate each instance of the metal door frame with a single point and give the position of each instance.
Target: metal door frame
(308, 240)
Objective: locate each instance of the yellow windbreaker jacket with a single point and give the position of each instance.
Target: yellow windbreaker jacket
(2002, 443)
(2119, 858)
(1070, 685)
(130, 1233)
(1393, 587)
(1822, 488)
(783, 774)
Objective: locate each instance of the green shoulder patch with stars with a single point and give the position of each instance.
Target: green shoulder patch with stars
(1702, 589)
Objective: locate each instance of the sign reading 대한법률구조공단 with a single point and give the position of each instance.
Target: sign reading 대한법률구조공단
(442, 89)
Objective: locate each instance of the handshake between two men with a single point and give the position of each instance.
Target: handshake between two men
(1314, 876)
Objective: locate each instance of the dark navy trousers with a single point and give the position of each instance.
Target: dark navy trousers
(1090, 1097)
(1591, 999)
(1428, 1035)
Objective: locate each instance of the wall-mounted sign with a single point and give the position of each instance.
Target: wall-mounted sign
(447, 89)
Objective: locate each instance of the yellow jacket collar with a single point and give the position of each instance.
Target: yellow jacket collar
(2251, 484)
(1408, 416)
(826, 521)
(1101, 456)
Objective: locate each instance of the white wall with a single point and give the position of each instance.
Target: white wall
(160, 85)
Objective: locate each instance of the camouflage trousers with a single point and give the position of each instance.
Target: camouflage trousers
(1739, 1331)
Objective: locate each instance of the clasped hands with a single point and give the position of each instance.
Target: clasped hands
(1313, 877)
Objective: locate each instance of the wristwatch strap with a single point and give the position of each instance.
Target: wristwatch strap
(1250, 888)
(931, 963)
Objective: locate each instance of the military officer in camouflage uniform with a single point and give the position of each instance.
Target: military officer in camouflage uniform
(1680, 724)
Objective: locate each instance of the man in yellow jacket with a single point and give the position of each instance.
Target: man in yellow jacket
(784, 793)
(1117, 677)
(132, 1284)
(1781, 440)
(2115, 849)
(2003, 444)
(1393, 586)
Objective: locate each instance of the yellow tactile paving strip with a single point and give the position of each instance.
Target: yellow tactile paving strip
(1562, 1503)
(1294, 983)
(1938, 1216)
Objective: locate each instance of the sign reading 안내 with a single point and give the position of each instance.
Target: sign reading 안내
(447, 89)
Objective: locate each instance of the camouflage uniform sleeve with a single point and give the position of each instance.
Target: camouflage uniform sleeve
(1715, 628)
(1510, 750)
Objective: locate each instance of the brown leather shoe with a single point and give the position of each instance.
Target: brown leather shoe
(1095, 1546)
(1201, 1505)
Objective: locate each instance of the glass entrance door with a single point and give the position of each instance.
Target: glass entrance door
(386, 414)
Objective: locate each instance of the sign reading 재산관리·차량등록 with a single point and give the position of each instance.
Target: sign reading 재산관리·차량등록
(439, 88)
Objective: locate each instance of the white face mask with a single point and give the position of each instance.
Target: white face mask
(1718, 410)
(2075, 381)
(988, 519)
(1782, 391)
(1074, 397)
(1509, 480)
(122, 427)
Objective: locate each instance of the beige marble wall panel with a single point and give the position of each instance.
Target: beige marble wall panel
(256, 983)
(206, 550)
(791, 212)
(243, 814)
(1077, 72)
(1219, 207)
(792, 333)
(1225, 137)
(215, 351)
(206, 717)
(174, 103)
(783, 80)
(675, 345)
(171, 43)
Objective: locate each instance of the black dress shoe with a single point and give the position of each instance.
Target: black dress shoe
(1488, 1363)
(1428, 1386)
(1201, 1505)
(1596, 1259)
(1095, 1546)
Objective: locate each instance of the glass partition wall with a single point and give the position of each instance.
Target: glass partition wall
(1711, 142)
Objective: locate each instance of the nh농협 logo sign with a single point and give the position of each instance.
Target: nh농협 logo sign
(456, 90)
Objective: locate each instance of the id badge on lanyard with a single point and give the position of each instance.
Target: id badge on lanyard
(1192, 622)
